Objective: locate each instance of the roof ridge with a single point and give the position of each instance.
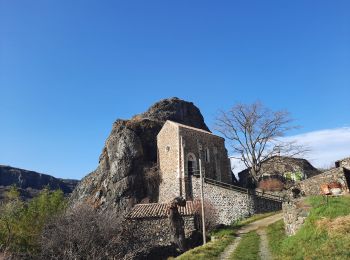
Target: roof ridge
(193, 128)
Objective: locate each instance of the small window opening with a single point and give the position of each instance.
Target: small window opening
(207, 155)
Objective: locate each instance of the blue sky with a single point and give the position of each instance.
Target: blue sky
(68, 69)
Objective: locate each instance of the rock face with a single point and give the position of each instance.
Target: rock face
(31, 182)
(130, 150)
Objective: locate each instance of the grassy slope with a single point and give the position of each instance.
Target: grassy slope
(325, 234)
(248, 247)
(225, 236)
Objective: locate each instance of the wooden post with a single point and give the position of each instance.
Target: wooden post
(202, 202)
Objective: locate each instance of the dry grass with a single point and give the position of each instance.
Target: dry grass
(335, 227)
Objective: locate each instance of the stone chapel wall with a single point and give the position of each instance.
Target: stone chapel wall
(233, 205)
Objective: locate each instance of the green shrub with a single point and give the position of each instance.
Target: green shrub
(21, 223)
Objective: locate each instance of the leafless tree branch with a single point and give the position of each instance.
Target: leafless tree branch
(256, 132)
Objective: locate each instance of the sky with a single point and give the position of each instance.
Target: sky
(69, 69)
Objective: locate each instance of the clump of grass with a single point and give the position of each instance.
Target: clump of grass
(248, 247)
(315, 240)
(276, 234)
(212, 249)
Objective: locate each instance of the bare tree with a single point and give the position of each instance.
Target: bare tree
(255, 132)
(211, 214)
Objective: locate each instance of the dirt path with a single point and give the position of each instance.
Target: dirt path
(259, 225)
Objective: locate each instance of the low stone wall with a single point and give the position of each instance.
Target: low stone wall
(312, 185)
(230, 205)
(156, 231)
(294, 215)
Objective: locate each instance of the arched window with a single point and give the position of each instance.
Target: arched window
(191, 164)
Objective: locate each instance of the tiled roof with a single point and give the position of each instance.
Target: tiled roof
(152, 210)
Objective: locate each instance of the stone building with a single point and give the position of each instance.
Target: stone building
(340, 174)
(179, 149)
(280, 167)
(345, 163)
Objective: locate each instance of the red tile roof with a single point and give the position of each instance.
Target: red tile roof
(153, 210)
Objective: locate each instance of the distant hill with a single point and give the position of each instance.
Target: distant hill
(30, 182)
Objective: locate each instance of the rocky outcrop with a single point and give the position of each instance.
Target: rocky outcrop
(31, 182)
(176, 110)
(130, 150)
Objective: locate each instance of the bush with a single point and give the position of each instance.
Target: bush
(83, 233)
(210, 214)
(21, 223)
(271, 184)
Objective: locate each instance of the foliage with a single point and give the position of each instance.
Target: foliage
(248, 247)
(210, 214)
(294, 176)
(21, 223)
(317, 237)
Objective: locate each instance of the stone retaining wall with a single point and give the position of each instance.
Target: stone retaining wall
(294, 215)
(156, 230)
(230, 205)
(312, 185)
(153, 238)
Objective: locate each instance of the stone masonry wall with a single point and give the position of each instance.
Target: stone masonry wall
(311, 186)
(156, 231)
(230, 205)
(294, 215)
(168, 162)
(197, 142)
(344, 163)
(173, 164)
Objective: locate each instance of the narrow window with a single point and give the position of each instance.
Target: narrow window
(206, 155)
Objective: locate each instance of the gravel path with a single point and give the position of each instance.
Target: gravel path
(259, 225)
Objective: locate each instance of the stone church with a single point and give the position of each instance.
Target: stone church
(179, 149)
